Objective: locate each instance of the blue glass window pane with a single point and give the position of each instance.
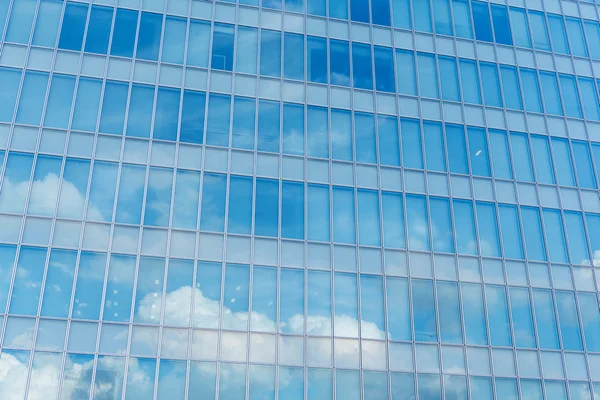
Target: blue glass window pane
(555, 236)
(384, 69)
(294, 5)
(148, 43)
(506, 389)
(98, 33)
(470, 82)
(17, 172)
(102, 190)
(364, 133)
(539, 32)
(25, 294)
(339, 56)
(344, 230)
(46, 24)
(266, 214)
(213, 202)
(531, 89)
(192, 117)
(316, 51)
(500, 154)
(73, 26)
(551, 94)
(21, 20)
(532, 227)
(372, 305)
(316, 7)
(268, 126)
(478, 151)
(292, 210)
(429, 387)
(291, 383)
(4, 6)
(338, 9)
(186, 201)
(474, 317)
(441, 17)
(434, 146)
(412, 151)
(570, 96)
(208, 281)
(589, 97)
(88, 289)
(498, 316)
(362, 74)
(590, 319)
(576, 37)
(359, 11)
(583, 165)
(520, 27)
(511, 89)
(293, 62)
(424, 320)
(247, 50)
(375, 385)
(401, 14)
(319, 384)
(217, 127)
(318, 213)
(403, 386)
(341, 135)
(542, 160)
(564, 165)
(455, 387)
(596, 152)
(428, 81)
(580, 390)
(33, 95)
(198, 43)
(202, 379)
(558, 34)
(389, 142)
(166, 118)
(244, 117)
(222, 50)
(114, 105)
(576, 237)
(270, 43)
(462, 19)
(275, 4)
(380, 12)
(466, 241)
(555, 390)
(522, 317)
(457, 149)
(368, 218)
(449, 78)
(347, 384)
(158, 197)
(511, 233)
(393, 220)
(521, 156)
(545, 319)
(418, 233)
(533, 388)
(346, 304)
(441, 225)
(173, 47)
(501, 24)
(293, 129)
(60, 98)
(61, 269)
(124, 33)
(449, 312)
(483, 25)
(75, 183)
(236, 288)
(141, 104)
(593, 225)
(399, 321)
(491, 85)
(131, 194)
(291, 282)
(592, 32)
(568, 321)
(422, 16)
(319, 300)
(406, 74)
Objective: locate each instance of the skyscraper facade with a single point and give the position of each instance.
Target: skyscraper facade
(299, 199)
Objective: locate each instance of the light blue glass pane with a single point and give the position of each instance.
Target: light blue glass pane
(470, 82)
(532, 227)
(60, 98)
(422, 16)
(466, 241)
(491, 85)
(481, 388)
(316, 59)
(481, 18)
(393, 220)
(293, 62)
(236, 293)
(109, 375)
(276, 4)
(148, 44)
(240, 205)
(166, 118)
(441, 17)
(551, 94)
(501, 24)
(270, 43)
(583, 164)
(441, 225)
(424, 320)
(428, 81)
(7, 260)
(186, 201)
(406, 75)
(338, 9)
(293, 129)
(389, 141)
(429, 387)
(576, 37)
(462, 19)
(368, 218)
(418, 232)
(268, 126)
(47, 22)
(576, 238)
(102, 190)
(555, 390)
(507, 389)
(291, 306)
(434, 146)
(266, 209)
(47, 169)
(347, 384)
(341, 135)
(222, 47)
(520, 27)
(98, 32)
(21, 20)
(533, 388)
(580, 390)
(124, 32)
(33, 95)
(380, 12)
(294, 5)
(412, 151)
(213, 201)
(521, 157)
(364, 134)
(555, 236)
(457, 149)
(500, 154)
(384, 69)
(316, 7)
(558, 34)
(539, 32)
(570, 96)
(119, 288)
(113, 107)
(9, 82)
(371, 297)
(478, 151)
(232, 382)
(192, 117)
(173, 46)
(208, 281)
(455, 387)
(569, 323)
(292, 210)
(61, 268)
(511, 235)
(158, 197)
(262, 382)
(78, 374)
(198, 44)
(217, 127)
(73, 26)
(521, 317)
(345, 304)
(593, 225)
(17, 173)
(141, 105)
(449, 312)
(291, 383)
(131, 193)
(589, 97)
(28, 281)
(473, 314)
(171, 379)
(202, 381)
(319, 301)
(359, 11)
(244, 117)
(590, 319)
(542, 159)
(564, 165)
(339, 56)
(344, 230)
(88, 289)
(531, 89)
(247, 50)
(449, 78)
(592, 32)
(399, 321)
(545, 319)
(362, 74)
(403, 386)
(596, 152)
(318, 213)
(375, 385)
(511, 89)
(498, 316)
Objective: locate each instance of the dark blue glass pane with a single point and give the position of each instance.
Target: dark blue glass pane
(124, 33)
(73, 26)
(148, 44)
(481, 19)
(99, 30)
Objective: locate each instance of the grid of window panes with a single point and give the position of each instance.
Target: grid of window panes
(376, 200)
